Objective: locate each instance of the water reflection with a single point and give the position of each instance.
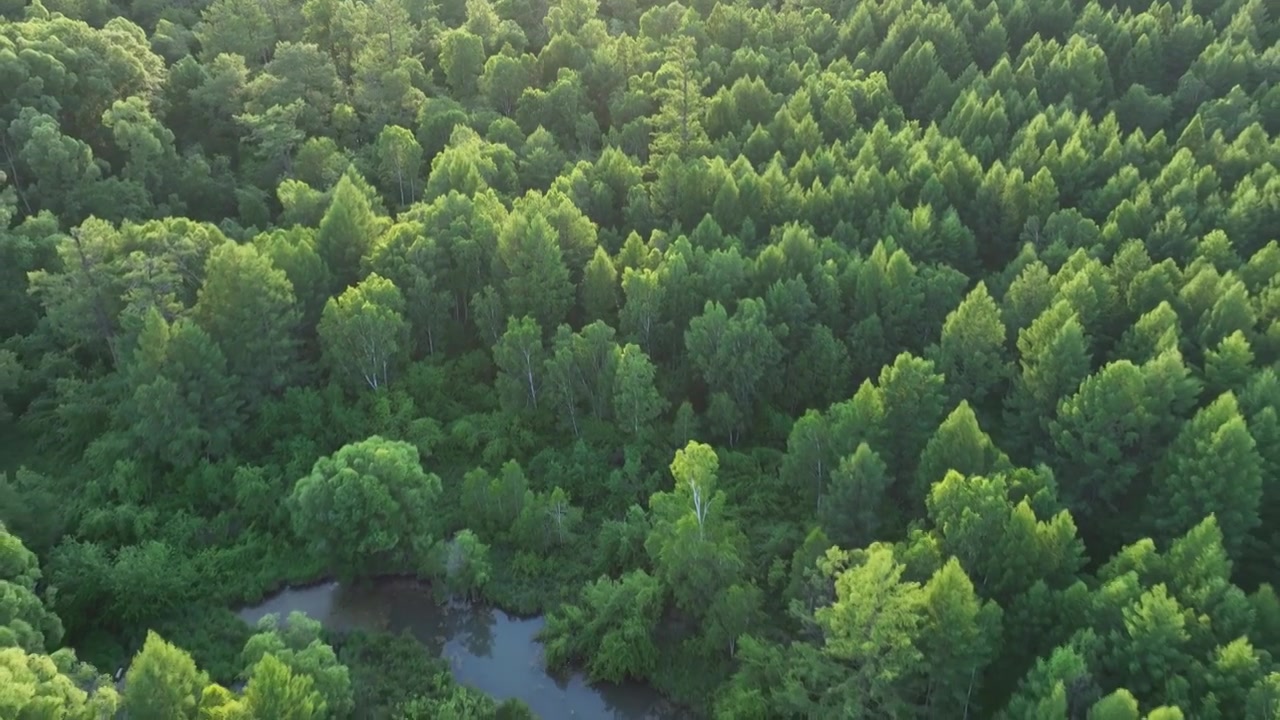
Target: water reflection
(487, 648)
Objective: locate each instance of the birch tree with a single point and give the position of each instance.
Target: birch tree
(696, 552)
(399, 161)
(636, 400)
(519, 355)
(363, 332)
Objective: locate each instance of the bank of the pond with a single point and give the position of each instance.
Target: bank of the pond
(486, 648)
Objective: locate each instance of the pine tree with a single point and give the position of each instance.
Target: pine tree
(1054, 356)
(679, 132)
(960, 636)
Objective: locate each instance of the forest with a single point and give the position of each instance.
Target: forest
(816, 359)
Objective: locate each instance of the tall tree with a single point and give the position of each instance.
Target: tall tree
(678, 130)
(1054, 358)
(854, 513)
(599, 289)
(959, 638)
(913, 401)
(275, 691)
(184, 404)
(734, 356)
(520, 357)
(961, 445)
(636, 401)
(871, 632)
(296, 642)
(694, 548)
(399, 161)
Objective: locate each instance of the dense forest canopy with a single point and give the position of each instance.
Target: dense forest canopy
(812, 359)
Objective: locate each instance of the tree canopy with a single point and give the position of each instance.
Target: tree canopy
(883, 359)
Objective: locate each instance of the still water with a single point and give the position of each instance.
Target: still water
(487, 648)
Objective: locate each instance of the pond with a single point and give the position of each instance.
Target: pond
(488, 649)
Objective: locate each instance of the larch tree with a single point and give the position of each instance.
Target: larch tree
(247, 306)
(914, 400)
(1212, 467)
(855, 511)
(959, 638)
(346, 233)
(678, 126)
(961, 445)
(535, 280)
(1054, 357)
(599, 289)
(971, 354)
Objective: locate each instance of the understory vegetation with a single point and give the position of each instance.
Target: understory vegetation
(814, 359)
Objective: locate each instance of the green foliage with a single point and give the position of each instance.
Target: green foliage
(368, 508)
(275, 691)
(163, 682)
(301, 664)
(610, 631)
(931, 283)
(24, 621)
(39, 685)
(363, 332)
(467, 567)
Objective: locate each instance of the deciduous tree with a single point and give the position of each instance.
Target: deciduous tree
(364, 334)
(368, 508)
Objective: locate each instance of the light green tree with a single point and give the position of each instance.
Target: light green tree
(347, 232)
(297, 643)
(694, 548)
(275, 691)
(163, 683)
(467, 566)
(971, 353)
(611, 628)
(535, 281)
(364, 334)
(399, 161)
(636, 401)
(1212, 467)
